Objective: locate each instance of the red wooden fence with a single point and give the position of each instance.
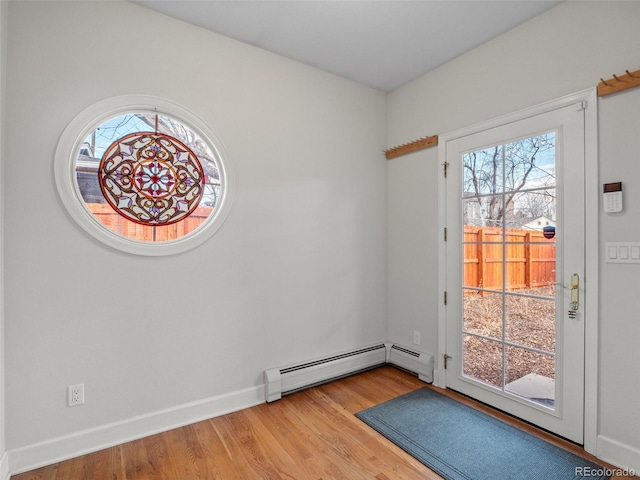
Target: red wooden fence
(129, 229)
(530, 259)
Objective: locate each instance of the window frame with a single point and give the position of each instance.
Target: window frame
(85, 122)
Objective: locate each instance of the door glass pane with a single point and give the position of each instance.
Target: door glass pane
(483, 359)
(530, 162)
(479, 171)
(472, 254)
(483, 261)
(530, 375)
(530, 262)
(531, 322)
(509, 249)
(543, 266)
(484, 211)
(532, 206)
(483, 314)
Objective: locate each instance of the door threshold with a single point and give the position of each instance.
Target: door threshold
(528, 427)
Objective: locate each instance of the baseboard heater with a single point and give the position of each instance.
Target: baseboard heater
(289, 379)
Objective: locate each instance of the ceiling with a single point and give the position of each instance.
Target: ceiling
(380, 43)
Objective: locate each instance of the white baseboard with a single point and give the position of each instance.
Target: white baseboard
(619, 454)
(4, 467)
(92, 440)
(69, 446)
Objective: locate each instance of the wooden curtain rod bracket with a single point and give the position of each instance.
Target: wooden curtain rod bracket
(414, 146)
(619, 83)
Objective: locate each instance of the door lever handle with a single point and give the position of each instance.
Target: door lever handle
(575, 292)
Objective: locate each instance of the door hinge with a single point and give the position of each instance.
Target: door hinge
(445, 357)
(582, 105)
(445, 165)
(445, 234)
(445, 297)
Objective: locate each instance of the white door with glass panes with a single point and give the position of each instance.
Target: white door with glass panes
(514, 220)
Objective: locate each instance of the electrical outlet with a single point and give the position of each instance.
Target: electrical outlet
(416, 337)
(76, 395)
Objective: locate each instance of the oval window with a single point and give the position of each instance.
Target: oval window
(147, 179)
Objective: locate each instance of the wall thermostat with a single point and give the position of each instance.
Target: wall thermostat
(612, 197)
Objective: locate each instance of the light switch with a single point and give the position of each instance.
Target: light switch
(622, 252)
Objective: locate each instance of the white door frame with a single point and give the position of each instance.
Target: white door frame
(591, 246)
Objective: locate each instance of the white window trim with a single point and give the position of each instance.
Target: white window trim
(65, 176)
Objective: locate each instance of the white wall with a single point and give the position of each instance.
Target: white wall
(297, 271)
(560, 52)
(3, 53)
(619, 420)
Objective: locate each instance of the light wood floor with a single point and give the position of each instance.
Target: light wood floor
(310, 435)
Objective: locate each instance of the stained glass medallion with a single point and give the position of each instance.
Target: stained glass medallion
(151, 178)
